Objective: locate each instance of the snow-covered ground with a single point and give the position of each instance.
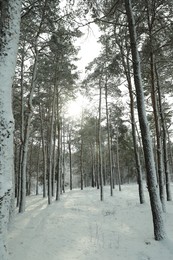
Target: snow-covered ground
(80, 227)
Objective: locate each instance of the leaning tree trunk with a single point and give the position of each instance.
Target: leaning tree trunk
(9, 37)
(156, 208)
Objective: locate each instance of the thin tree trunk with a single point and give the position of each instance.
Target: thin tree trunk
(165, 149)
(158, 134)
(150, 17)
(54, 159)
(70, 160)
(26, 137)
(93, 181)
(108, 136)
(30, 169)
(50, 147)
(100, 143)
(170, 153)
(81, 164)
(97, 154)
(44, 153)
(158, 222)
(58, 161)
(118, 161)
(81, 156)
(63, 161)
(126, 66)
(38, 171)
(16, 167)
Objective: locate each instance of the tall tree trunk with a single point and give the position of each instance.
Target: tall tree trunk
(126, 66)
(29, 171)
(9, 37)
(81, 156)
(158, 133)
(93, 178)
(16, 166)
(151, 19)
(38, 171)
(63, 161)
(100, 143)
(26, 137)
(118, 161)
(97, 154)
(50, 147)
(158, 222)
(165, 149)
(22, 123)
(58, 160)
(44, 153)
(81, 165)
(54, 159)
(108, 134)
(70, 160)
(170, 153)
(19, 177)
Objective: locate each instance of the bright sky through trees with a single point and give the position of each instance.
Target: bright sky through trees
(75, 107)
(89, 49)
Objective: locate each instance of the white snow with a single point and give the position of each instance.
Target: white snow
(80, 227)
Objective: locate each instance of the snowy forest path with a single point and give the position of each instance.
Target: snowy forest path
(80, 227)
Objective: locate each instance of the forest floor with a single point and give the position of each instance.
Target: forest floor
(81, 227)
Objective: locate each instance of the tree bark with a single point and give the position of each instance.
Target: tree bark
(158, 222)
(9, 37)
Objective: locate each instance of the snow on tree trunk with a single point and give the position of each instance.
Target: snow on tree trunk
(159, 230)
(9, 36)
